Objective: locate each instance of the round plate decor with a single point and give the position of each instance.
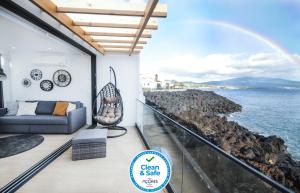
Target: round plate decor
(26, 82)
(46, 85)
(62, 78)
(36, 74)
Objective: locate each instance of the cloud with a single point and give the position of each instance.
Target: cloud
(223, 66)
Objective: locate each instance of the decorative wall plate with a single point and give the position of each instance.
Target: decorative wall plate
(46, 85)
(26, 82)
(62, 78)
(36, 74)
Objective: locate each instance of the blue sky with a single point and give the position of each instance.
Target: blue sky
(203, 40)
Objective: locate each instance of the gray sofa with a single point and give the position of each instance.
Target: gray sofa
(44, 122)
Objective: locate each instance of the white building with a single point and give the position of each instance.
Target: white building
(148, 82)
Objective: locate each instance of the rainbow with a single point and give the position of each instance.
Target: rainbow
(253, 34)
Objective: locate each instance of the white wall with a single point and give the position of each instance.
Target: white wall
(25, 47)
(77, 65)
(35, 10)
(34, 48)
(127, 72)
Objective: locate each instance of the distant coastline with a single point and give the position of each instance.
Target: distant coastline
(242, 83)
(248, 83)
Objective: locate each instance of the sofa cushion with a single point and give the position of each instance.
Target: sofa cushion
(27, 108)
(71, 107)
(60, 108)
(15, 129)
(45, 107)
(34, 120)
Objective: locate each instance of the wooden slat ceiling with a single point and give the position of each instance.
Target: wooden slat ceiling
(108, 26)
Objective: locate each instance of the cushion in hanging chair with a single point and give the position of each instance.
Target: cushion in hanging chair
(109, 115)
(109, 100)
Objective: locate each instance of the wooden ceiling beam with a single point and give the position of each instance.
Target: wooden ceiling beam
(118, 41)
(108, 51)
(162, 12)
(114, 25)
(143, 23)
(152, 9)
(50, 8)
(120, 46)
(117, 34)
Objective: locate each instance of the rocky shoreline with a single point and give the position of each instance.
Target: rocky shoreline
(203, 111)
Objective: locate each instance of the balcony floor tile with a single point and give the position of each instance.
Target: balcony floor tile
(100, 175)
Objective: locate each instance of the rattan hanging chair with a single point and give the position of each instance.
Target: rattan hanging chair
(110, 112)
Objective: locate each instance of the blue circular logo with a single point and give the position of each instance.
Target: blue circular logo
(150, 171)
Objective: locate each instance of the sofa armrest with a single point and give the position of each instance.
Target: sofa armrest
(3, 111)
(76, 119)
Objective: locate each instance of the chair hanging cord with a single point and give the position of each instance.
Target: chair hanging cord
(109, 74)
(115, 79)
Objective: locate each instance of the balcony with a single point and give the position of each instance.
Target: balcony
(198, 165)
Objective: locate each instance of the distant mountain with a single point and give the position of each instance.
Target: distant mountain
(256, 83)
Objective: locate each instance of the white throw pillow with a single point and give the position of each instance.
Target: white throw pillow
(71, 107)
(27, 108)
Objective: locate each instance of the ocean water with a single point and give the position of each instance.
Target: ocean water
(269, 113)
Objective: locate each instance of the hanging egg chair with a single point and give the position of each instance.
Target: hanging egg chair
(110, 112)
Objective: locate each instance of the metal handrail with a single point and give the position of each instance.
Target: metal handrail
(262, 176)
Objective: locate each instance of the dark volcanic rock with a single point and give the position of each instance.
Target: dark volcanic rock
(203, 112)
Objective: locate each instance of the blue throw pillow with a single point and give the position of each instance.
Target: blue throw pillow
(45, 107)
